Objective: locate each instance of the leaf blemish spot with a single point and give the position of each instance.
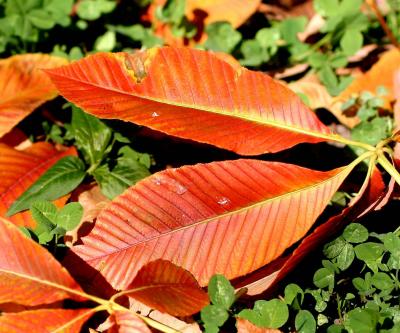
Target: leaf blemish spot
(135, 64)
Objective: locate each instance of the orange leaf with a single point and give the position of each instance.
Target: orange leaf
(29, 275)
(229, 217)
(166, 287)
(191, 94)
(24, 87)
(381, 74)
(20, 169)
(39, 321)
(125, 322)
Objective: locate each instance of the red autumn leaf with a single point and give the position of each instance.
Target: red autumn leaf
(126, 322)
(229, 217)
(44, 320)
(191, 94)
(20, 169)
(368, 199)
(24, 87)
(29, 275)
(166, 287)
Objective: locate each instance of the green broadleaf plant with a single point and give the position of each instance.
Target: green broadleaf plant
(51, 222)
(59, 180)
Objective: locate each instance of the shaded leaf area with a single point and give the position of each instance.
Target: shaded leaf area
(225, 217)
(44, 320)
(29, 275)
(20, 169)
(172, 90)
(24, 87)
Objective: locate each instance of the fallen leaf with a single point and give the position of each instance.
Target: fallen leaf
(20, 169)
(175, 323)
(204, 218)
(173, 91)
(24, 87)
(380, 74)
(313, 26)
(168, 288)
(289, 71)
(124, 322)
(316, 92)
(29, 275)
(92, 201)
(235, 12)
(287, 10)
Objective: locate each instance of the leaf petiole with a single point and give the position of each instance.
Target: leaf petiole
(391, 170)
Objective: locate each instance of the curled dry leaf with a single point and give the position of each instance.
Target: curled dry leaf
(29, 275)
(175, 323)
(92, 201)
(44, 320)
(291, 71)
(20, 169)
(317, 94)
(368, 199)
(168, 288)
(313, 26)
(165, 318)
(124, 322)
(228, 217)
(173, 90)
(318, 97)
(380, 74)
(287, 10)
(244, 326)
(363, 53)
(24, 87)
